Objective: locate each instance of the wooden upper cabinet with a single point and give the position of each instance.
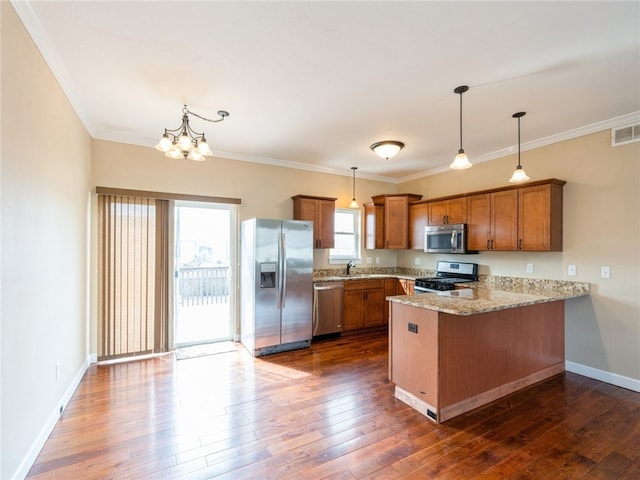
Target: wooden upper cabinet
(444, 212)
(524, 218)
(504, 220)
(418, 219)
(540, 218)
(321, 211)
(373, 226)
(492, 221)
(396, 218)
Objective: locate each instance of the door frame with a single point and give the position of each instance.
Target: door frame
(233, 264)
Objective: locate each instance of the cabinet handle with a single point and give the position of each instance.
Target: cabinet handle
(488, 248)
(520, 244)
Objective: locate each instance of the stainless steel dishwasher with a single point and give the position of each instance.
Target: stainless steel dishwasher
(327, 307)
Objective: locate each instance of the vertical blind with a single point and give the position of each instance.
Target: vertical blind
(132, 276)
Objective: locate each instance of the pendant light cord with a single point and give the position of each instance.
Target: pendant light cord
(460, 121)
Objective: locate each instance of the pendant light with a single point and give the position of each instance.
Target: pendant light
(519, 174)
(387, 148)
(461, 161)
(353, 203)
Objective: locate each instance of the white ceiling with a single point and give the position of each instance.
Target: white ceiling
(314, 83)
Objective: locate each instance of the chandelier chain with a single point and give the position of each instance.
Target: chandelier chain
(222, 114)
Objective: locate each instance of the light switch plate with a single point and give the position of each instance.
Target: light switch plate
(529, 267)
(605, 272)
(572, 270)
(416, 261)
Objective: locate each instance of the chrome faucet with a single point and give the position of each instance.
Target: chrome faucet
(350, 265)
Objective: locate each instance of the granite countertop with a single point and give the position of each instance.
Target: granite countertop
(338, 275)
(490, 293)
(487, 296)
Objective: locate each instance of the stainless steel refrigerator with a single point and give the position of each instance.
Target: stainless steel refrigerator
(276, 285)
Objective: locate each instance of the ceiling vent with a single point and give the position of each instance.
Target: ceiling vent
(622, 135)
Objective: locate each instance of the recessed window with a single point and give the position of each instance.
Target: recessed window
(347, 236)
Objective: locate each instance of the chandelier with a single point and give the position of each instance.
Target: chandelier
(184, 142)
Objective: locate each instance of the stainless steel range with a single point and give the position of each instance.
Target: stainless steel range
(447, 275)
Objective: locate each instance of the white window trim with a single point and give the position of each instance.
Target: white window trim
(344, 259)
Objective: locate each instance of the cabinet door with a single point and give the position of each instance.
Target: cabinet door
(418, 219)
(374, 307)
(324, 226)
(504, 220)
(534, 219)
(396, 222)
(457, 210)
(438, 212)
(353, 309)
(391, 288)
(406, 287)
(479, 222)
(306, 210)
(373, 226)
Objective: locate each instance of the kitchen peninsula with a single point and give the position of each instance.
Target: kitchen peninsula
(454, 351)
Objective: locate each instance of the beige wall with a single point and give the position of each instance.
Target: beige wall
(601, 227)
(45, 197)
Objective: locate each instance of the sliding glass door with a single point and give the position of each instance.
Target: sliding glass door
(203, 296)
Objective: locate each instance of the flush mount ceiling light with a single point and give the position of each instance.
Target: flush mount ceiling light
(461, 161)
(353, 203)
(519, 174)
(387, 148)
(184, 142)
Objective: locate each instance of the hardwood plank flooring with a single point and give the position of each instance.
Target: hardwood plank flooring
(328, 412)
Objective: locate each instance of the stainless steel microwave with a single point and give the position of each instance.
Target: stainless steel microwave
(446, 238)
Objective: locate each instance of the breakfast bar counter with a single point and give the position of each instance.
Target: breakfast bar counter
(452, 352)
(481, 297)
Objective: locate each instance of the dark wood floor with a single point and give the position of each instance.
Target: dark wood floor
(328, 412)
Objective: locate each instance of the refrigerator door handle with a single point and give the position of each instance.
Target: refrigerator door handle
(283, 269)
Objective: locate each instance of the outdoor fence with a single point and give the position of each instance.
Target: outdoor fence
(203, 285)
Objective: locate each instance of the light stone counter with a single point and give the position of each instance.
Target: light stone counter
(495, 293)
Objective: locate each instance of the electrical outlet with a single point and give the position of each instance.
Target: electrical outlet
(605, 272)
(369, 260)
(377, 259)
(416, 261)
(572, 270)
(529, 267)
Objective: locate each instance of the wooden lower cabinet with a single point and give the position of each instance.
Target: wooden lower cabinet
(405, 287)
(364, 304)
(444, 365)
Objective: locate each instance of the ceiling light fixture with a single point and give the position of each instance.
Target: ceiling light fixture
(353, 203)
(387, 148)
(519, 174)
(184, 142)
(461, 161)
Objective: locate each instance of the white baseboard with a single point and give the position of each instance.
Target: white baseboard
(93, 358)
(604, 376)
(45, 431)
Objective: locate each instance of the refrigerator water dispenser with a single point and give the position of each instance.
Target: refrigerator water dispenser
(268, 275)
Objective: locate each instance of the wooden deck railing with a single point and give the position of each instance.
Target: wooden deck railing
(203, 285)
